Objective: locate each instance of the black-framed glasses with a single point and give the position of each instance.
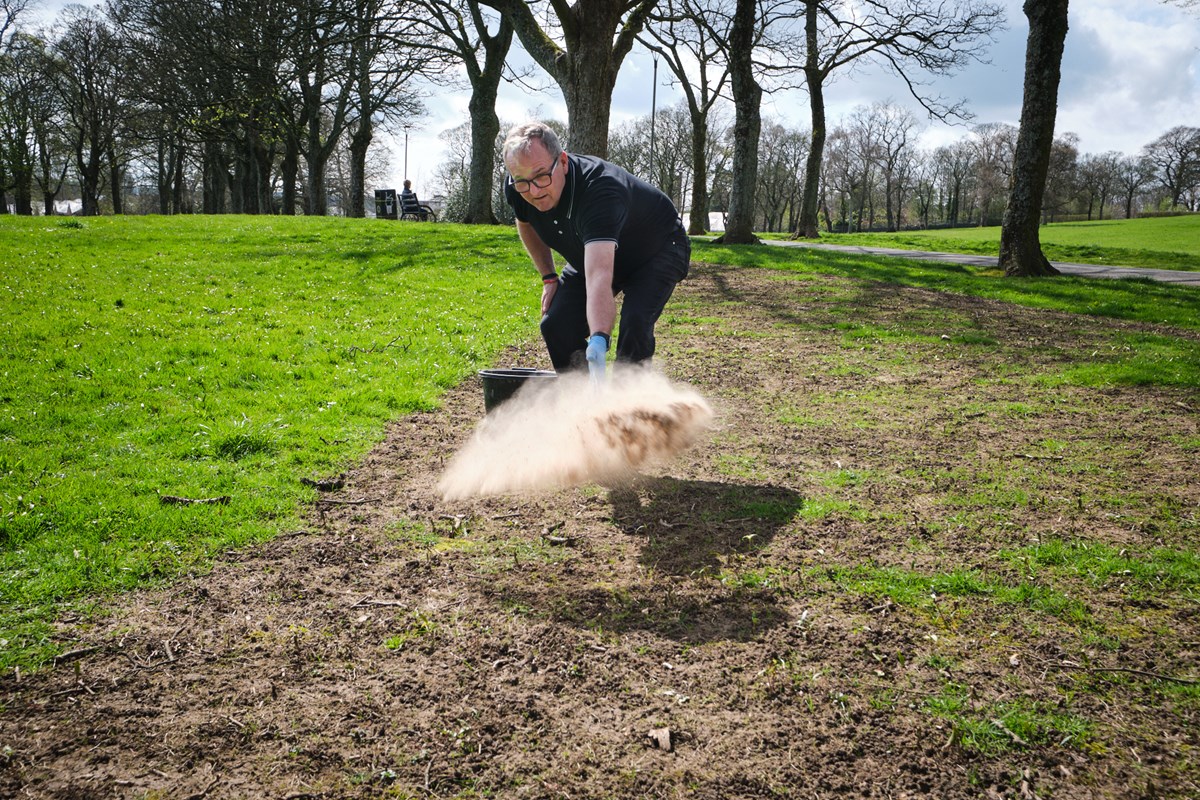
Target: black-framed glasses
(537, 181)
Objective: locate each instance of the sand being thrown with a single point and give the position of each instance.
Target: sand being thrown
(567, 432)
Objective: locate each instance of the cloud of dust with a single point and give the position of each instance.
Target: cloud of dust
(567, 432)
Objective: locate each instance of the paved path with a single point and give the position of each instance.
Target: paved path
(1087, 270)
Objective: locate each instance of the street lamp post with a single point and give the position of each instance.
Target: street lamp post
(407, 125)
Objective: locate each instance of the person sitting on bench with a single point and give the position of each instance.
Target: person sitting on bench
(411, 208)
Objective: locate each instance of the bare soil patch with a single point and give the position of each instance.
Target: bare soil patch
(713, 630)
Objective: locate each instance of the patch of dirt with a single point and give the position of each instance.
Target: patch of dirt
(715, 629)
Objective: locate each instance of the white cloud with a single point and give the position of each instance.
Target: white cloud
(1130, 73)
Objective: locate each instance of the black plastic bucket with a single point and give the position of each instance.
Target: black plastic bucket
(501, 384)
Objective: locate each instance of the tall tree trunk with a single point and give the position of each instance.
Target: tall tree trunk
(238, 196)
(177, 177)
(23, 189)
(114, 180)
(485, 123)
(163, 178)
(598, 36)
(816, 103)
(892, 216)
(698, 216)
(360, 142)
(216, 179)
(587, 79)
(1020, 246)
(315, 202)
(89, 183)
(485, 128)
(264, 159)
(289, 168)
(747, 126)
(46, 180)
(48, 195)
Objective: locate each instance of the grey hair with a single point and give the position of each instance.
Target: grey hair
(522, 136)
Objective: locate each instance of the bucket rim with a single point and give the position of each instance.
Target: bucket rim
(516, 372)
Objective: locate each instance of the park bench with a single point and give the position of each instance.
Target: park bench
(415, 211)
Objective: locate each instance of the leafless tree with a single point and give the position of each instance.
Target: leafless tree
(1097, 180)
(992, 145)
(1062, 177)
(747, 124)
(452, 175)
(1176, 158)
(1020, 245)
(89, 87)
(582, 46)
(387, 52)
(956, 168)
(908, 37)
(780, 175)
(320, 50)
(690, 36)
(10, 13)
(762, 51)
(924, 185)
(894, 131)
(863, 148)
(1133, 174)
(842, 178)
(347, 176)
(671, 169)
(464, 33)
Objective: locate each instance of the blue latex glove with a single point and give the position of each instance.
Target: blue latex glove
(597, 351)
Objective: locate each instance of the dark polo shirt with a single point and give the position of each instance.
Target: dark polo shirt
(601, 202)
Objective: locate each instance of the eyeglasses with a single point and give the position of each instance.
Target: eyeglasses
(537, 181)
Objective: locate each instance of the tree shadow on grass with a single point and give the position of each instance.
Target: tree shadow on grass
(701, 582)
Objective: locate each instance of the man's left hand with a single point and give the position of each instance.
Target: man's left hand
(597, 352)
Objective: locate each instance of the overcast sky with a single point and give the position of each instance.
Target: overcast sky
(1131, 71)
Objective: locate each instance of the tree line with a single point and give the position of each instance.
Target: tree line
(875, 176)
(273, 106)
(204, 105)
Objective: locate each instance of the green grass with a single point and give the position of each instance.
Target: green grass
(920, 591)
(211, 357)
(1133, 300)
(1137, 360)
(214, 357)
(1157, 242)
(1099, 564)
(999, 727)
(1127, 358)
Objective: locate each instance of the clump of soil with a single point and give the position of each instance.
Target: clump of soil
(876, 577)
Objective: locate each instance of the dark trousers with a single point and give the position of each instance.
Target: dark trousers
(646, 291)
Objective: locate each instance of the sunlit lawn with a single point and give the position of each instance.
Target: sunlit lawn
(1161, 242)
(230, 357)
(213, 357)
